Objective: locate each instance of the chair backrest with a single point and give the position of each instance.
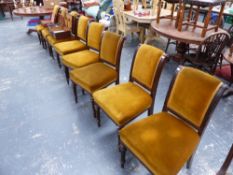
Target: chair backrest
(192, 97)
(71, 21)
(94, 35)
(118, 9)
(111, 47)
(82, 27)
(54, 16)
(147, 66)
(211, 48)
(62, 16)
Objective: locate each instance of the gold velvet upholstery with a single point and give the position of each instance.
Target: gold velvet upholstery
(99, 75)
(55, 13)
(45, 32)
(145, 64)
(79, 59)
(82, 27)
(126, 101)
(161, 142)
(64, 48)
(52, 41)
(67, 47)
(94, 35)
(192, 94)
(93, 77)
(165, 141)
(39, 27)
(123, 102)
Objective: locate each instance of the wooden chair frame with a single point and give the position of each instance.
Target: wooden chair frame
(200, 130)
(152, 91)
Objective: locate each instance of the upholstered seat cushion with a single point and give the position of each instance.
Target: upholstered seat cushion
(39, 28)
(51, 40)
(161, 142)
(64, 48)
(123, 102)
(79, 59)
(94, 76)
(45, 32)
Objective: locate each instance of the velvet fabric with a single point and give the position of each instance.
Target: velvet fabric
(192, 94)
(94, 35)
(146, 64)
(162, 142)
(123, 102)
(93, 77)
(82, 27)
(109, 47)
(79, 59)
(67, 47)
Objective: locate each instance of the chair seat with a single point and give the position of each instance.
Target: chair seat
(39, 28)
(45, 32)
(79, 59)
(94, 76)
(162, 142)
(52, 41)
(64, 48)
(123, 102)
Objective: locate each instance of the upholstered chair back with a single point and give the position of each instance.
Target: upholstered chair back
(54, 16)
(191, 95)
(82, 27)
(111, 46)
(145, 65)
(94, 35)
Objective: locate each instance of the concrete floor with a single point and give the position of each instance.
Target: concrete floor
(43, 131)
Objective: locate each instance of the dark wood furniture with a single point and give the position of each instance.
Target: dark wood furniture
(227, 162)
(32, 12)
(193, 14)
(166, 28)
(59, 32)
(7, 6)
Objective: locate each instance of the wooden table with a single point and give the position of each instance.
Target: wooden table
(8, 5)
(166, 28)
(146, 20)
(32, 12)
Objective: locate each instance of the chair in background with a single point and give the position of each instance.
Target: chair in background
(208, 54)
(70, 24)
(88, 56)
(45, 23)
(165, 141)
(64, 48)
(102, 73)
(123, 26)
(124, 102)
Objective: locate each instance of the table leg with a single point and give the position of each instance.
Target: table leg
(181, 49)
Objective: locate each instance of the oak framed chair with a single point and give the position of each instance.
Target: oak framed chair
(80, 43)
(165, 141)
(102, 73)
(88, 56)
(124, 102)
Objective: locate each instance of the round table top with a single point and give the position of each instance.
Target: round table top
(33, 11)
(166, 27)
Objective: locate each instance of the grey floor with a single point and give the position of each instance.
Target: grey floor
(43, 131)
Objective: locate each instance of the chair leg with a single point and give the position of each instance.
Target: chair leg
(75, 92)
(93, 107)
(150, 110)
(58, 60)
(189, 163)
(123, 152)
(168, 42)
(98, 116)
(39, 37)
(67, 74)
(83, 92)
(50, 50)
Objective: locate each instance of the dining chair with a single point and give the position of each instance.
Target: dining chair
(102, 73)
(87, 56)
(208, 54)
(79, 43)
(61, 22)
(124, 26)
(124, 102)
(70, 24)
(165, 141)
